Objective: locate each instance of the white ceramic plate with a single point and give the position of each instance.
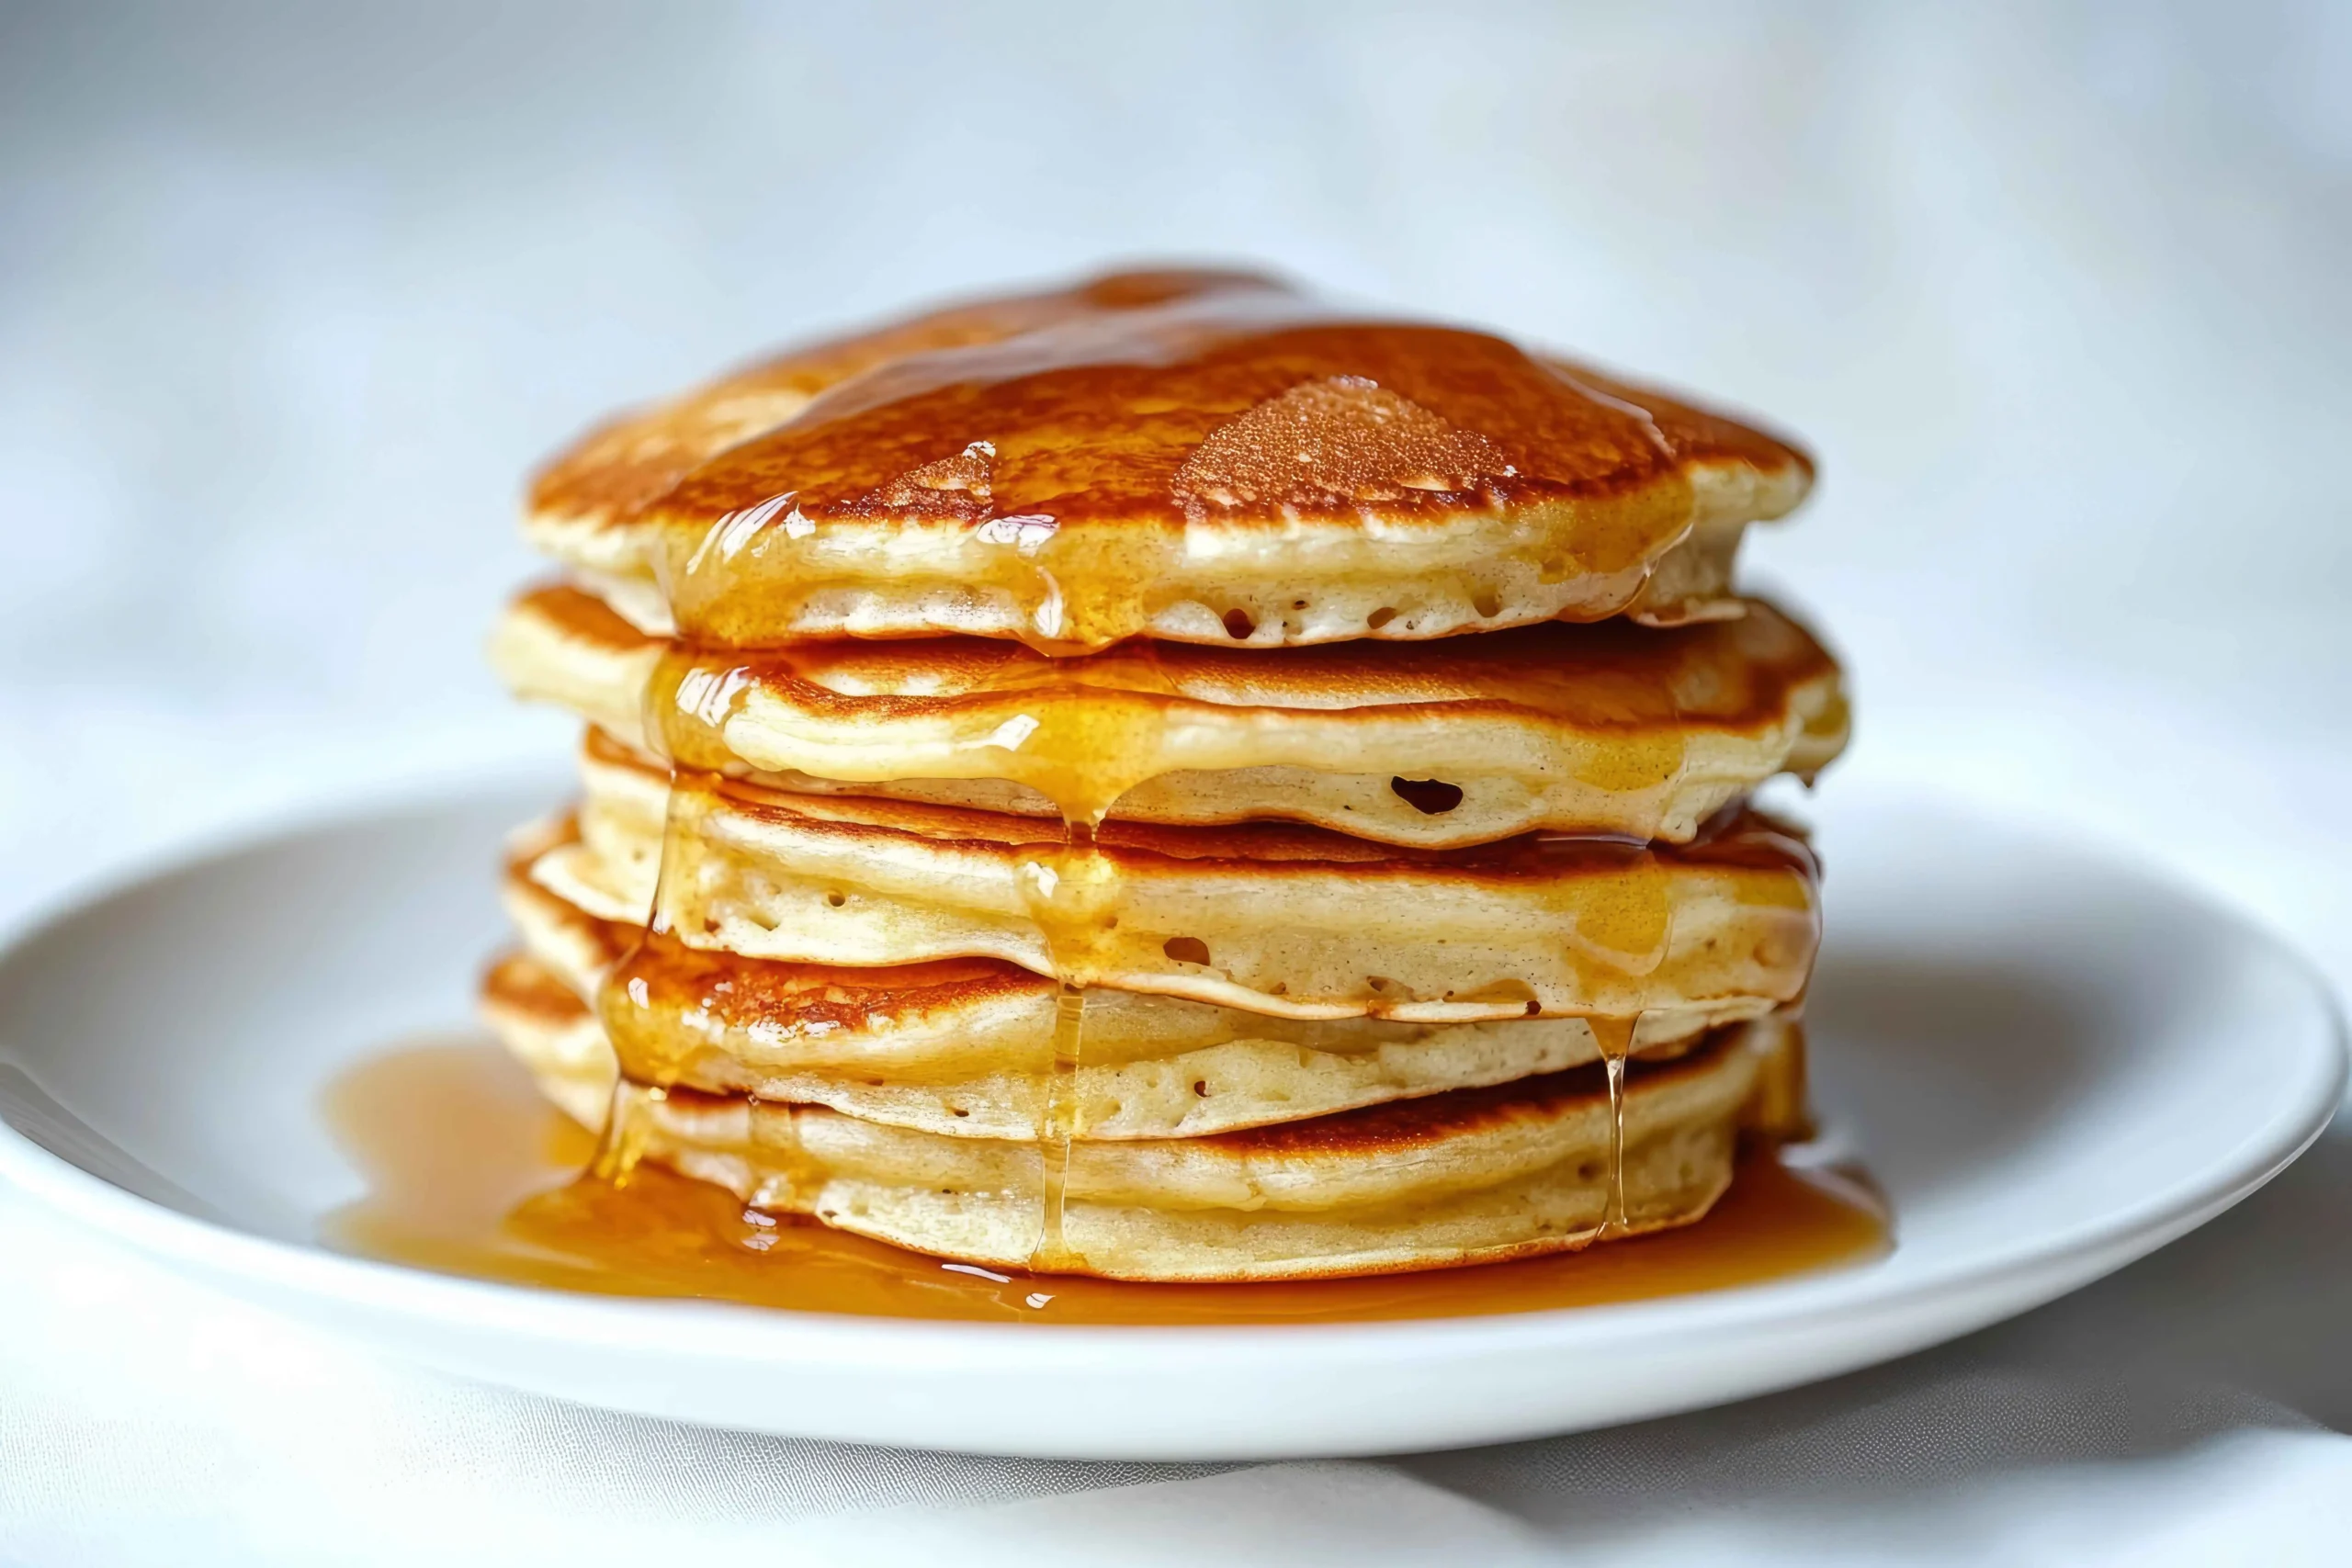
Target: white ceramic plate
(2052, 1062)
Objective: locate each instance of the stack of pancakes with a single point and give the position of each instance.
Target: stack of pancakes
(1168, 780)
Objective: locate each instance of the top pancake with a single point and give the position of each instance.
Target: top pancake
(1202, 457)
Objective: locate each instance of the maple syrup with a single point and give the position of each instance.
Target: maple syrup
(470, 1172)
(1614, 1038)
(1071, 893)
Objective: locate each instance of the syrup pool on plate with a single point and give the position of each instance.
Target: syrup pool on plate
(470, 1172)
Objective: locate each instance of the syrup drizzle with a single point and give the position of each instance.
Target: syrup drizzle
(1064, 888)
(1614, 1037)
(1072, 893)
(621, 1146)
(1059, 1126)
(628, 1131)
(470, 1172)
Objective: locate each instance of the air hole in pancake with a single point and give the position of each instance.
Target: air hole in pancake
(1380, 616)
(1298, 603)
(1431, 797)
(1200, 1088)
(1186, 949)
(1588, 1171)
(1509, 992)
(709, 925)
(957, 1111)
(836, 899)
(1487, 604)
(1238, 625)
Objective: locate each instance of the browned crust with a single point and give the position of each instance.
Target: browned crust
(617, 470)
(1121, 402)
(793, 999)
(1066, 444)
(583, 617)
(1607, 677)
(1404, 1125)
(518, 984)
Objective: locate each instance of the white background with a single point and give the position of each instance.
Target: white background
(2062, 297)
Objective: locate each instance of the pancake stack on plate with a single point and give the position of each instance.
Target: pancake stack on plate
(1169, 780)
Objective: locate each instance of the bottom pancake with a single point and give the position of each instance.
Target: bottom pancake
(1469, 1176)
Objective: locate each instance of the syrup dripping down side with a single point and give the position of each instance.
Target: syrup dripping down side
(621, 1146)
(1614, 1037)
(1055, 890)
(1073, 894)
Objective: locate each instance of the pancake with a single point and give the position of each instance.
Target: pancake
(1206, 457)
(1267, 917)
(1609, 727)
(1470, 1175)
(965, 1047)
